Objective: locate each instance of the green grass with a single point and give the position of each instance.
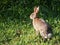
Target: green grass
(14, 32)
(24, 34)
(16, 26)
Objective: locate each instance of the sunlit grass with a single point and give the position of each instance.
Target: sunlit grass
(24, 34)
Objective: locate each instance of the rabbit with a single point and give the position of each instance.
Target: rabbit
(40, 25)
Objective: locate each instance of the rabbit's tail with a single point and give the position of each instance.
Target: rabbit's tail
(49, 35)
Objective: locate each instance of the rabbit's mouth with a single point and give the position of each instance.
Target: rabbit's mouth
(33, 16)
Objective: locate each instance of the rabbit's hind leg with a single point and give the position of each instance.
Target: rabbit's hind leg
(44, 39)
(44, 36)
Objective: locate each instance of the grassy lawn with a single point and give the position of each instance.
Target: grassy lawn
(16, 26)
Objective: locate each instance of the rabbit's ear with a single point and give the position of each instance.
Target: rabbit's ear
(36, 9)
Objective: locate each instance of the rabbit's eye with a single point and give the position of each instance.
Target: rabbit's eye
(33, 15)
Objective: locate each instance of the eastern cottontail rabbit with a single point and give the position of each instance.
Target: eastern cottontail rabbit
(40, 25)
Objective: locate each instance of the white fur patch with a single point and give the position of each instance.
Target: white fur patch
(49, 35)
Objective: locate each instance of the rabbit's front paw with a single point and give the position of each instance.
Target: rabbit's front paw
(37, 32)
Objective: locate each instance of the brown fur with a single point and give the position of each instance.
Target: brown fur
(39, 24)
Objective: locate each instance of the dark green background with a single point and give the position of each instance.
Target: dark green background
(15, 24)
